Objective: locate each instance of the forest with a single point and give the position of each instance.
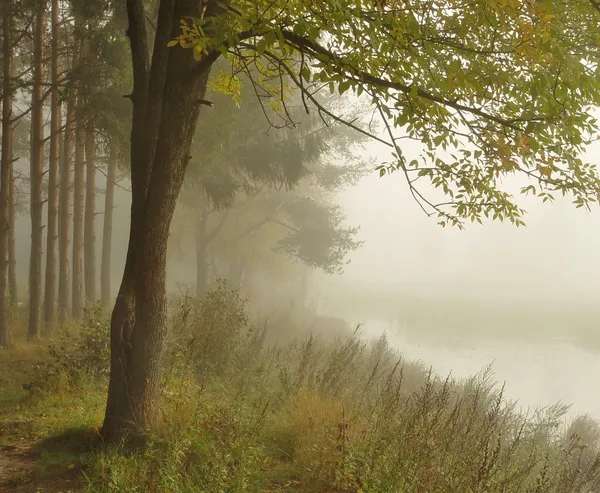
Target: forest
(169, 182)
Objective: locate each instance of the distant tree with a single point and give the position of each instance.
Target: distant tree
(77, 299)
(64, 207)
(89, 230)
(107, 230)
(242, 154)
(501, 85)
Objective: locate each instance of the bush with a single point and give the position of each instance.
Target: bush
(207, 337)
(80, 354)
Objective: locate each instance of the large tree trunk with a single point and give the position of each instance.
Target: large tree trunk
(5, 172)
(78, 204)
(89, 240)
(53, 166)
(64, 251)
(36, 176)
(12, 247)
(109, 200)
(166, 103)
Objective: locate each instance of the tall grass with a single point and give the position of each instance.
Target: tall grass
(240, 414)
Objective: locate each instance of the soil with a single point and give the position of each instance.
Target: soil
(18, 472)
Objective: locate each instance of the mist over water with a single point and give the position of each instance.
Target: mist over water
(524, 300)
(536, 374)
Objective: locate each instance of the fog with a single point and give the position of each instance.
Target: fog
(521, 299)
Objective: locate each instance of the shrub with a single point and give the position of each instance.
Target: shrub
(79, 354)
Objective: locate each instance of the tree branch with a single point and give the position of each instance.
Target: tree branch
(302, 44)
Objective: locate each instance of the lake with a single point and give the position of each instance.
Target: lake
(537, 373)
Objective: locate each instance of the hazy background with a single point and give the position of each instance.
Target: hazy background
(524, 299)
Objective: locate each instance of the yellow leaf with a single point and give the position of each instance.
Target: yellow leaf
(172, 43)
(197, 51)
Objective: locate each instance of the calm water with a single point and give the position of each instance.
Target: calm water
(536, 374)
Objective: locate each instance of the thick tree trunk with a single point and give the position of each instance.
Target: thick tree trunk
(166, 102)
(5, 172)
(109, 200)
(78, 204)
(36, 176)
(12, 244)
(89, 240)
(53, 166)
(64, 238)
(201, 252)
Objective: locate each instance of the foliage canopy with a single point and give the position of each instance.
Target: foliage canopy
(500, 86)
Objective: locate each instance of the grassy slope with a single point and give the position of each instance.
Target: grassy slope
(241, 415)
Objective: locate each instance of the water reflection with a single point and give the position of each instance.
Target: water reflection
(536, 373)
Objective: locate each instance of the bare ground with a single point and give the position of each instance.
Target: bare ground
(18, 472)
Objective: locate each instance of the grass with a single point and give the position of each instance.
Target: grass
(239, 413)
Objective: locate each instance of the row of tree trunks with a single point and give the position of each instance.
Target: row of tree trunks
(78, 136)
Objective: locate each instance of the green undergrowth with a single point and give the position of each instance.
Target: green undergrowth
(239, 413)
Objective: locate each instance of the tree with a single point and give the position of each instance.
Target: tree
(64, 206)
(5, 168)
(53, 167)
(109, 198)
(36, 173)
(78, 213)
(89, 230)
(502, 82)
(12, 253)
(239, 156)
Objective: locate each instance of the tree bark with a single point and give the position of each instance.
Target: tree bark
(166, 103)
(78, 205)
(36, 176)
(109, 200)
(89, 240)
(53, 166)
(12, 249)
(5, 170)
(64, 256)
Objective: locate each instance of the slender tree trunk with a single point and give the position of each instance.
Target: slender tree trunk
(201, 252)
(53, 166)
(166, 102)
(109, 199)
(64, 206)
(78, 204)
(12, 247)
(5, 170)
(89, 240)
(36, 176)
(236, 271)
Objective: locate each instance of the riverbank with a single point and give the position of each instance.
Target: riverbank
(240, 414)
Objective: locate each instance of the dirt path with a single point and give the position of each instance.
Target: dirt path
(18, 472)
